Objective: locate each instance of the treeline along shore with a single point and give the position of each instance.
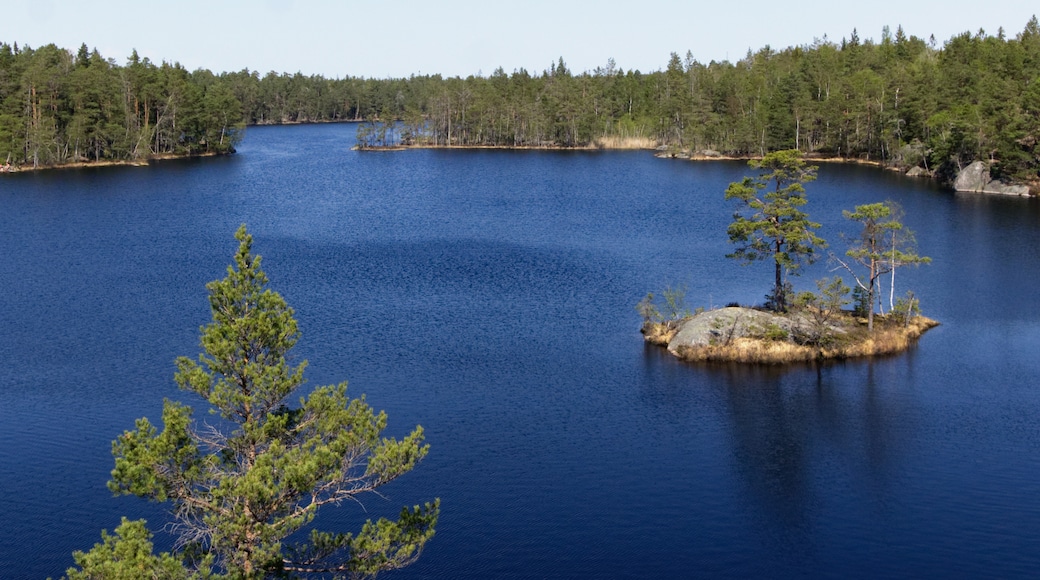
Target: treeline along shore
(903, 101)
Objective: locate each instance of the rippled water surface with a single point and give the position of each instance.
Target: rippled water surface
(488, 295)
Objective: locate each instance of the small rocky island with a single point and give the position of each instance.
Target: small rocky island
(769, 225)
(750, 335)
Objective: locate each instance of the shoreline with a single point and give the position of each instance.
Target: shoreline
(808, 157)
(658, 152)
(726, 340)
(108, 163)
(513, 147)
(635, 144)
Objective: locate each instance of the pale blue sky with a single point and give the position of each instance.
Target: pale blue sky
(396, 38)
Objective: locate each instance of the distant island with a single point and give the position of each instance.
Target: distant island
(770, 225)
(918, 105)
(749, 335)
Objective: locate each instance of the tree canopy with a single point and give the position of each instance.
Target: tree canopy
(769, 224)
(240, 488)
(57, 107)
(882, 245)
(902, 100)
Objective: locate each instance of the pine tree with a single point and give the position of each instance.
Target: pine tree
(240, 487)
(774, 226)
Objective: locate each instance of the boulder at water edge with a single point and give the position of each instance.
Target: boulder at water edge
(975, 178)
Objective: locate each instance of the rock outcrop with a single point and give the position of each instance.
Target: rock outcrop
(724, 325)
(975, 178)
(746, 335)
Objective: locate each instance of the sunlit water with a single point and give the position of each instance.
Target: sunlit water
(489, 297)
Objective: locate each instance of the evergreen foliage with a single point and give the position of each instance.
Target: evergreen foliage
(771, 225)
(57, 107)
(241, 488)
(902, 101)
(127, 555)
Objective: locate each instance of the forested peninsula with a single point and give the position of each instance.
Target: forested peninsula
(903, 102)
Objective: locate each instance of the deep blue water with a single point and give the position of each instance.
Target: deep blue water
(489, 297)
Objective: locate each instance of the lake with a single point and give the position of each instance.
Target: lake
(489, 296)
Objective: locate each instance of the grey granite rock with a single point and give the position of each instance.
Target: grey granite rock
(975, 178)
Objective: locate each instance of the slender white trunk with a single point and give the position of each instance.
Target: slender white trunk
(892, 290)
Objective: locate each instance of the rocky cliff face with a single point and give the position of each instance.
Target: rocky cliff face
(975, 178)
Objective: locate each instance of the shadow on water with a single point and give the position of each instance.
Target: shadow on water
(488, 296)
(799, 437)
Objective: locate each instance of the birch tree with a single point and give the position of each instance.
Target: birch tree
(877, 251)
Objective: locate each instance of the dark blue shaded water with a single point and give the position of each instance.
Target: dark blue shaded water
(489, 296)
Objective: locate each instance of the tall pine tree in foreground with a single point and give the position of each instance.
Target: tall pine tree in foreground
(239, 487)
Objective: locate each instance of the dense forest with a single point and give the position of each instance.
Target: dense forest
(57, 107)
(903, 100)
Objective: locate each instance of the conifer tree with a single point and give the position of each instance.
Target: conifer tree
(240, 487)
(772, 225)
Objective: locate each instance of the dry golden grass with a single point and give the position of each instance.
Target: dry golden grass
(750, 350)
(889, 337)
(615, 142)
(659, 333)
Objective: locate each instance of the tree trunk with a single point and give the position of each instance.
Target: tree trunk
(779, 300)
(870, 295)
(870, 310)
(892, 290)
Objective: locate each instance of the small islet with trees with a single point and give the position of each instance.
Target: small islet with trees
(770, 225)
